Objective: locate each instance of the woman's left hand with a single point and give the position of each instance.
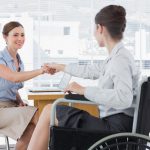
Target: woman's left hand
(21, 104)
(75, 87)
(19, 101)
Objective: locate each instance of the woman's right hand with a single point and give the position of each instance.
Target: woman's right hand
(44, 69)
(53, 67)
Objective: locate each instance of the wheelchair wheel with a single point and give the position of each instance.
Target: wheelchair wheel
(123, 141)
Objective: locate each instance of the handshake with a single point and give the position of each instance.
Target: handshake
(52, 68)
(72, 87)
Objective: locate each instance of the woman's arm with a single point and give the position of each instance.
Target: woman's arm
(120, 95)
(117, 90)
(13, 76)
(74, 69)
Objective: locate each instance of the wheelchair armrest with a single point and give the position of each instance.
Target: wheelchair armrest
(74, 99)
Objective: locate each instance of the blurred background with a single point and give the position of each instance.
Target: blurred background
(61, 31)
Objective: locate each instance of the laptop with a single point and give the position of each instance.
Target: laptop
(62, 85)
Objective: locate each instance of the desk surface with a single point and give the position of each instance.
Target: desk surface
(45, 95)
(43, 98)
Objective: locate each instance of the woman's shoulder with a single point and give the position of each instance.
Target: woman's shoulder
(2, 53)
(2, 57)
(123, 58)
(125, 53)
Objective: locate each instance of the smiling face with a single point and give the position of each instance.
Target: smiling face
(15, 38)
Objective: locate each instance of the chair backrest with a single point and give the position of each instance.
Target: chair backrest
(143, 120)
(141, 107)
(136, 104)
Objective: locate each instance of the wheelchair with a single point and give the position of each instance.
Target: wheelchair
(80, 139)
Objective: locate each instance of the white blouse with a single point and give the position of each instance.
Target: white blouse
(118, 80)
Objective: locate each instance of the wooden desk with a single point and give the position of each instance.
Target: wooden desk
(43, 98)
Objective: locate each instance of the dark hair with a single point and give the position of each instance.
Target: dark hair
(113, 17)
(9, 26)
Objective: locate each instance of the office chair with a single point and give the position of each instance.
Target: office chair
(6, 141)
(82, 138)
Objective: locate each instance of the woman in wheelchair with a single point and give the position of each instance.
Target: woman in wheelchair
(117, 84)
